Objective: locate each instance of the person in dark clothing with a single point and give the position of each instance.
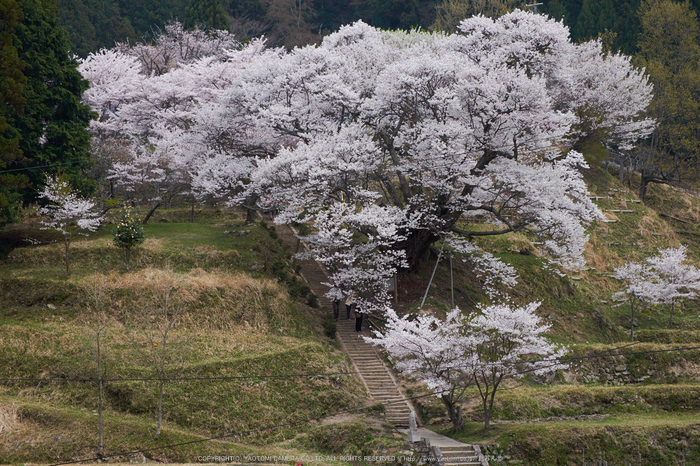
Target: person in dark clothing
(358, 320)
(336, 307)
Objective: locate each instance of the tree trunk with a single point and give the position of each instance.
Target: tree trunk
(621, 172)
(454, 412)
(100, 428)
(249, 216)
(670, 322)
(417, 246)
(67, 244)
(487, 413)
(100, 441)
(127, 257)
(632, 322)
(643, 184)
(150, 212)
(249, 209)
(160, 409)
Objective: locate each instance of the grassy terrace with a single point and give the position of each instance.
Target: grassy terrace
(237, 319)
(619, 408)
(242, 314)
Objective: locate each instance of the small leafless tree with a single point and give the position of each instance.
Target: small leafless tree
(157, 320)
(96, 332)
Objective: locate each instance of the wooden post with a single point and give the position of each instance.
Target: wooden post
(452, 283)
(396, 290)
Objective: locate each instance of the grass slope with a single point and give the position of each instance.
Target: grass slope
(620, 408)
(236, 319)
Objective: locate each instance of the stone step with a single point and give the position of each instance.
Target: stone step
(390, 401)
(464, 456)
(364, 355)
(398, 414)
(456, 448)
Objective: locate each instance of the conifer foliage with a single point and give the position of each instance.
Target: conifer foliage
(206, 14)
(127, 234)
(46, 120)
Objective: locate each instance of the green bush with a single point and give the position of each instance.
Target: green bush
(329, 326)
(127, 234)
(312, 300)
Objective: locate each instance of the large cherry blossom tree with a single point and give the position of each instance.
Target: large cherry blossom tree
(387, 142)
(383, 142)
(148, 95)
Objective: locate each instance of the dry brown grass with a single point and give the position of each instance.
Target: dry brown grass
(599, 256)
(9, 419)
(211, 299)
(654, 229)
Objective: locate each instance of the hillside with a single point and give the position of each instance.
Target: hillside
(641, 403)
(241, 324)
(242, 314)
(93, 24)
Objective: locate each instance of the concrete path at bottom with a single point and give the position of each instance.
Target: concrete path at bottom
(452, 452)
(436, 439)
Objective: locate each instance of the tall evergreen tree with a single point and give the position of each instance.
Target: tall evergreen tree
(206, 14)
(93, 24)
(11, 102)
(51, 130)
(587, 22)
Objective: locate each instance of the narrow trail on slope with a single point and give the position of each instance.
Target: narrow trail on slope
(371, 368)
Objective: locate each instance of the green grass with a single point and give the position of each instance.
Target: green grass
(237, 319)
(657, 438)
(48, 433)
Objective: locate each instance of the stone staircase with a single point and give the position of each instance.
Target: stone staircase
(369, 365)
(463, 455)
(376, 377)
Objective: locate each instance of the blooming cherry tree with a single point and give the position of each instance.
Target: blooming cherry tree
(149, 95)
(449, 355)
(434, 129)
(69, 214)
(681, 280)
(663, 278)
(509, 342)
(383, 142)
(432, 351)
(643, 285)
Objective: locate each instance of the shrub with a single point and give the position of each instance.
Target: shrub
(312, 300)
(127, 233)
(329, 326)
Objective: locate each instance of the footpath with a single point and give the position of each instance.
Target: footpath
(372, 370)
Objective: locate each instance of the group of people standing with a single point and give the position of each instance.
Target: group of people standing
(350, 305)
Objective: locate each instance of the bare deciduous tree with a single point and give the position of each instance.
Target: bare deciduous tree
(157, 320)
(95, 332)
